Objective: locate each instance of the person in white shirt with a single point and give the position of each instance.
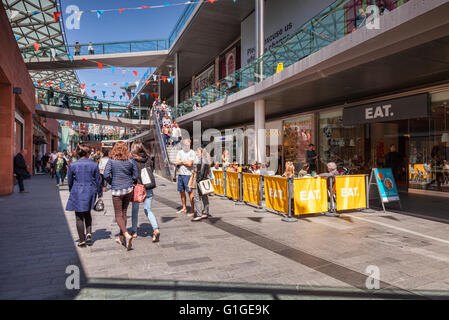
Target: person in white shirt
(166, 121)
(102, 165)
(53, 157)
(176, 134)
(185, 160)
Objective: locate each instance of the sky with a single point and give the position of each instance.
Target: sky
(130, 25)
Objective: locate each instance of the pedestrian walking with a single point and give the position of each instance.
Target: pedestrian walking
(90, 48)
(84, 185)
(202, 170)
(143, 159)
(102, 165)
(77, 49)
(53, 157)
(60, 169)
(21, 169)
(121, 172)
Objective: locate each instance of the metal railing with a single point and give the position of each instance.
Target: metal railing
(182, 21)
(83, 103)
(330, 25)
(97, 48)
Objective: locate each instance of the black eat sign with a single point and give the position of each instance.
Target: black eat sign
(417, 106)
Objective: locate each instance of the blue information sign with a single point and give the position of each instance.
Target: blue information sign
(387, 185)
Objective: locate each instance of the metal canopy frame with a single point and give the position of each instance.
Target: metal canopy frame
(30, 28)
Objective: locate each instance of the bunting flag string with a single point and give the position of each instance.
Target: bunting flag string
(99, 13)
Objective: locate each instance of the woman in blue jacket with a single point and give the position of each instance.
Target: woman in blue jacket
(121, 173)
(84, 184)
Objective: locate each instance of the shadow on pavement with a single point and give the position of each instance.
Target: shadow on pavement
(36, 245)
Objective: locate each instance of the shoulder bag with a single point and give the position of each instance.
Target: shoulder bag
(206, 187)
(147, 177)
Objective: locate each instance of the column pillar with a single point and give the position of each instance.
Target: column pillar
(259, 105)
(260, 33)
(28, 141)
(259, 130)
(7, 120)
(176, 88)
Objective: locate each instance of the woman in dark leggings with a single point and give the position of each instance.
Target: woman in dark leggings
(121, 173)
(84, 184)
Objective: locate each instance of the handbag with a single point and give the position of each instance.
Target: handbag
(99, 205)
(192, 181)
(206, 187)
(147, 177)
(139, 193)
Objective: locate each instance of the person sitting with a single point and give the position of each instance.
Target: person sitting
(234, 167)
(289, 170)
(304, 172)
(254, 169)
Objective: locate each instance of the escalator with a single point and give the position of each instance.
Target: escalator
(162, 164)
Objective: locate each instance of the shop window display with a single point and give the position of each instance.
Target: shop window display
(429, 148)
(340, 144)
(297, 137)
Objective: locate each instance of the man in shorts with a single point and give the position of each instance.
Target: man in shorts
(184, 160)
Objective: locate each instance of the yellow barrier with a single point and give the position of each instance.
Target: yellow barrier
(276, 193)
(350, 192)
(232, 185)
(310, 195)
(218, 183)
(251, 188)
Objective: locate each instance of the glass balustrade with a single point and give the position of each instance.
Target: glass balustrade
(82, 103)
(330, 25)
(97, 48)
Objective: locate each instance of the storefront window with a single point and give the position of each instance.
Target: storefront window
(344, 145)
(429, 148)
(297, 137)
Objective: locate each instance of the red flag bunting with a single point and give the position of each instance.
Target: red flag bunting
(56, 15)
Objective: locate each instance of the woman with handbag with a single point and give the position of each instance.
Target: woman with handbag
(143, 159)
(201, 191)
(84, 183)
(120, 172)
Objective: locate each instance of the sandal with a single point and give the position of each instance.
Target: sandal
(89, 238)
(82, 244)
(129, 243)
(181, 211)
(156, 236)
(119, 240)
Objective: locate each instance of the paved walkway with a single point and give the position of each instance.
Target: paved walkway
(237, 254)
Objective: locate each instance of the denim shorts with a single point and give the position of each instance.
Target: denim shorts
(183, 184)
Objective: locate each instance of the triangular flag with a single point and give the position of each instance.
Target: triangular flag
(126, 85)
(61, 85)
(147, 95)
(112, 69)
(121, 10)
(147, 82)
(115, 83)
(100, 65)
(56, 15)
(164, 78)
(70, 57)
(99, 13)
(93, 91)
(135, 73)
(36, 46)
(39, 83)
